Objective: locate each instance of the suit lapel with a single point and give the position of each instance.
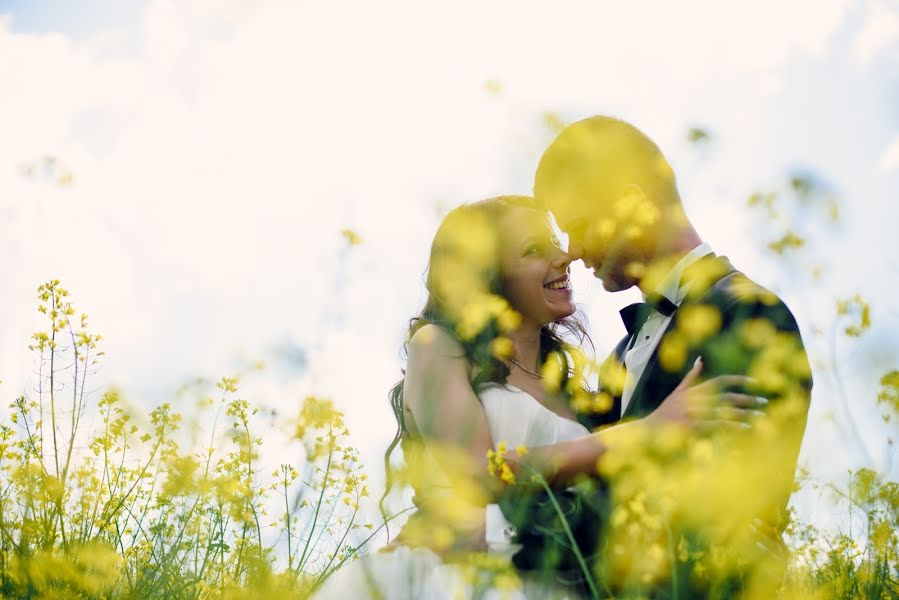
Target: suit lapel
(617, 357)
(615, 361)
(656, 383)
(651, 376)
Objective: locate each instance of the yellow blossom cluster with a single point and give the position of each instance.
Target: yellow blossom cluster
(497, 464)
(123, 510)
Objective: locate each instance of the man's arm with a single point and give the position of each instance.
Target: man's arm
(759, 337)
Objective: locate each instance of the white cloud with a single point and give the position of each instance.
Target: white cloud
(218, 150)
(879, 33)
(889, 160)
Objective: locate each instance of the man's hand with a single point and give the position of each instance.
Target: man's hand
(707, 406)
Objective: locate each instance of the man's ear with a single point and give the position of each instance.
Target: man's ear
(637, 207)
(639, 218)
(633, 190)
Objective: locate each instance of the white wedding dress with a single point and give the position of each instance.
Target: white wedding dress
(514, 417)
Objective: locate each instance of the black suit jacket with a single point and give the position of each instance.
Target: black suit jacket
(738, 327)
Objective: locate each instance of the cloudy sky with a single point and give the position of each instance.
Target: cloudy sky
(185, 168)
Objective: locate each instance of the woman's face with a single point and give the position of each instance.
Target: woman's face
(534, 267)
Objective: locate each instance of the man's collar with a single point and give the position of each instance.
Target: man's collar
(671, 286)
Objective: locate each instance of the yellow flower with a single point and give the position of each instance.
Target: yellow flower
(698, 322)
(497, 465)
(673, 351)
(552, 372)
(602, 402)
(501, 347)
(506, 474)
(860, 310)
(613, 376)
(352, 238)
(508, 319)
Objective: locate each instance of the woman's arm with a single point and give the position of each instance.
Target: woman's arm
(451, 420)
(689, 408)
(561, 463)
(446, 412)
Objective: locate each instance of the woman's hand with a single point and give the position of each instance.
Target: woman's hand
(706, 405)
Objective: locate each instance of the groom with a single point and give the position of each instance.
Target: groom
(612, 191)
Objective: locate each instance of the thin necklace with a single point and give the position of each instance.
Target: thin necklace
(525, 369)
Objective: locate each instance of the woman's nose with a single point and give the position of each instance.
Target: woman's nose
(562, 260)
(575, 251)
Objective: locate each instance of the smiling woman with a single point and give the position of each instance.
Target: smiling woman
(533, 260)
(499, 300)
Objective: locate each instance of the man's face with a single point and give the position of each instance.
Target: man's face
(610, 246)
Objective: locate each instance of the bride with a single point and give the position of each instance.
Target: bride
(488, 373)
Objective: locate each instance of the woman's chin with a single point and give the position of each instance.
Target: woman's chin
(562, 312)
(560, 302)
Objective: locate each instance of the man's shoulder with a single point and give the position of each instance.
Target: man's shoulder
(715, 278)
(738, 287)
(737, 294)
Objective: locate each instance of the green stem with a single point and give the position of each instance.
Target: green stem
(594, 593)
(674, 564)
(287, 518)
(349, 527)
(318, 506)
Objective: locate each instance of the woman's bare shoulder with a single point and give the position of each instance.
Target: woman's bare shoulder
(435, 355)
(435, 341)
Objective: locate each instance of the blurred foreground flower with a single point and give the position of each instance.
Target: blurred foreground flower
(352, 238)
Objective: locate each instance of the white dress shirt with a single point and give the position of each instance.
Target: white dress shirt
(649, 336)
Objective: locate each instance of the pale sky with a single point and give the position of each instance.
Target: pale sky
(216, 150)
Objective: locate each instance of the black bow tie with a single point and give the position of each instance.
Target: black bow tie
(635, 315)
